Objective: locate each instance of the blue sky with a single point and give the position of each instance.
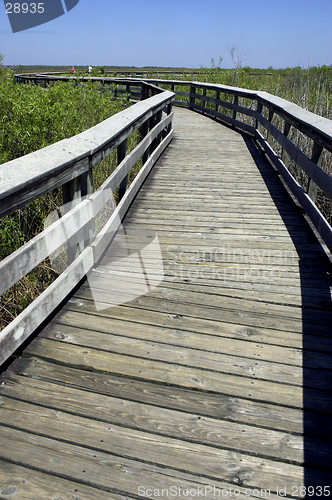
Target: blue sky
(277, 33)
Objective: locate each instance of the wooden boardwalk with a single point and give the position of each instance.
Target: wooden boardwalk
(218, 380)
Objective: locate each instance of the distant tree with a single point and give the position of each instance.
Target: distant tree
(238, 55)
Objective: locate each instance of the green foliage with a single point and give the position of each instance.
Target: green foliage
(32, 117)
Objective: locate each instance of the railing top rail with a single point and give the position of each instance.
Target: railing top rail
(300, 117)
(33, 175)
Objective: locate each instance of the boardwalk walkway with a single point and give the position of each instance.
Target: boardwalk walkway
(218, 378)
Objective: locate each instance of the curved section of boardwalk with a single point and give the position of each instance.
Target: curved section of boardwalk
(218, 380)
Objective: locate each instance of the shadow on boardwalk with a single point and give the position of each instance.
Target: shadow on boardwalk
(317, 348)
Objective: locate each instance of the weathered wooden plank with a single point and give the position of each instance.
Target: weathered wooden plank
(186, 295)
(158, 428)
(179, 375)
(170, 452)
(182, 323)
(223, 340)
(26, 375)
(186, 311)
(203, 358)
(27, 257)
(115, 473)
(22, 483)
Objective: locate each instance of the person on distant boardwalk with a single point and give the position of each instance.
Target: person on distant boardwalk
(90, 68)
(73, 70)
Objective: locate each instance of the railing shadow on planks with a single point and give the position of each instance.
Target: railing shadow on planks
(69, 164)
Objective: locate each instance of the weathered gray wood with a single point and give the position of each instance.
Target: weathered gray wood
(32, 379)
(109, 472)
(204, 431)
(236, 102)
(23, 484)
(26, 258)
(219, 359)
(179, 375)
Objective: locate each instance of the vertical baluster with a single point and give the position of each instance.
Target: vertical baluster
(269, 135)
(153, 122)
(167, 130)
(217, 99)
(259, 111)
(86, 190)
(284, 156)
(71, 196)
(121, 154)
(192, 97)
(316, 157)
(236, 102)
(203, 100)
(144, 130)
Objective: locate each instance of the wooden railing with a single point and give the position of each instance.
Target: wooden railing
(135, 88)
(270, 120)
(69, 164)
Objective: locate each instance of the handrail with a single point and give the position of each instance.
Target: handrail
(69, 163)
(273, 138)
(130, 84)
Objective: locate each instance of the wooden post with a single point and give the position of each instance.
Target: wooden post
(71, 196)
(203, 101)
(259, 110)
(284, 156)
(269, 136)
(192, 97)
(144, 130)
(121, 154)
(86, 190)
(167, 130)
(236, 102)
(153, 122)
(316, 157)
(144, 92)
(217, 99)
